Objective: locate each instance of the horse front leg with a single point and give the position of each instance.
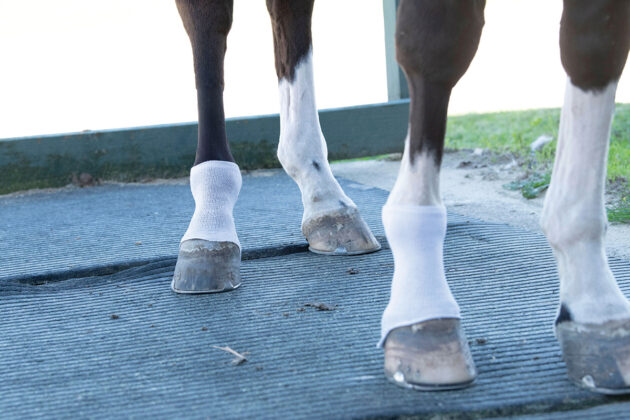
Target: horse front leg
(331, 222)
(593, 322)
(425, 346)
(210, 255)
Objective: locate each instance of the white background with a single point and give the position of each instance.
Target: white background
(71, 65)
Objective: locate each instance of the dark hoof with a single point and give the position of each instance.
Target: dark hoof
(340, 233)
(429, 356)
(597, 356)
(207, 267)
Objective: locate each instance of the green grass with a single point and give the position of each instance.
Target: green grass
(513, 132)
(620, 213)
(532, 186)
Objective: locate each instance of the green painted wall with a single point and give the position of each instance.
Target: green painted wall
(167, 151)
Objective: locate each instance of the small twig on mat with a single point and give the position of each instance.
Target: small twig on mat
(239, 359)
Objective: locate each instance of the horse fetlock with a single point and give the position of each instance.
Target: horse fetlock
(588, 289)
(593, 307)
(215, 186)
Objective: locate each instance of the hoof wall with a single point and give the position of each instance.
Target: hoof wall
(429, 356)
(207, 267)
(597, 356)
(340, 233)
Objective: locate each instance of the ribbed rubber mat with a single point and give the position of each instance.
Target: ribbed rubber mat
(613, 411)
(124, 345)
(52, 234)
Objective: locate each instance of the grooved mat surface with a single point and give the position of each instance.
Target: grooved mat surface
(62, 354)
(612, 411)
(49, 233)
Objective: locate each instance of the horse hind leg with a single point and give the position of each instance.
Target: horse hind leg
(209, 254)
(593, 322)
(331, 222)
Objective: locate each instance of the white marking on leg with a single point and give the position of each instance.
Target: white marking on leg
(574, 217)
(302, 149)
(418, 183)
(415, 225)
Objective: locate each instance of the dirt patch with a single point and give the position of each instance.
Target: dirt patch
(320, 306)
(476, 189)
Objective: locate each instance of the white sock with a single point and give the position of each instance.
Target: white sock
(419, 288)
(215, 185)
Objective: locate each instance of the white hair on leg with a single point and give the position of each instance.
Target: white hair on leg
(331, 221)
(574, 216)
(302, 148)
(418, 183)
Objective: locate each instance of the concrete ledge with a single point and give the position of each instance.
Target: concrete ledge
(167, 151)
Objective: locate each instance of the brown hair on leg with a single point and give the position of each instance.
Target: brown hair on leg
(435, 42)
(291, 24)
(207, 24)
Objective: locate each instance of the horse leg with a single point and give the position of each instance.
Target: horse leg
(593, 322)
(331, 222)
(210, 255)
(425, 347)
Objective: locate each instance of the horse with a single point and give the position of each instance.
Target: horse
(424, 345)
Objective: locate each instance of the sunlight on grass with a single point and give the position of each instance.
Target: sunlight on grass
(513, 132)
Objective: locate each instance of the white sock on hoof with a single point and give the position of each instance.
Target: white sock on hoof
(215, 185)
(419, 288)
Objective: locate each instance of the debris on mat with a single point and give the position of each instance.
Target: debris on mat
(320, 306)
(238, 360)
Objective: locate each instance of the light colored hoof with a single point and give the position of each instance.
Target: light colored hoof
(597, 356)
(207, 267)
(340, 233)
(429, 356)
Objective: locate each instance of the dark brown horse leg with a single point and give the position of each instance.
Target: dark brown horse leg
(425, 347)
(210, 255)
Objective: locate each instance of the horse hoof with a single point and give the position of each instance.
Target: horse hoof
(207, 267)
(429, 356)
(342, 232)
(597, 356)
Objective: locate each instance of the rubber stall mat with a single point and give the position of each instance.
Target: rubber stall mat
(612, 411)
(124, 345)
(85, 231)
